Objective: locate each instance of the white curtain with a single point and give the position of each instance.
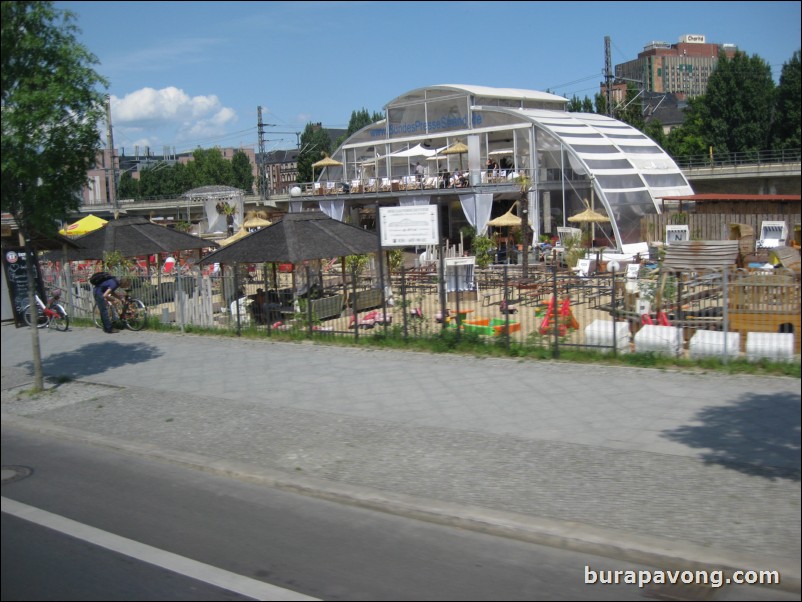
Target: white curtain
(415, 199)
(477, 209)
(296, 206)
(334, 209)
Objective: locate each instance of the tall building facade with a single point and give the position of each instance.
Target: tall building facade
(682, 69)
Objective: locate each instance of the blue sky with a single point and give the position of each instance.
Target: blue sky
(189, 74)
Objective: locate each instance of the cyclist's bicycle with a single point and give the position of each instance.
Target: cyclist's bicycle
(132, 313)
(53, 314)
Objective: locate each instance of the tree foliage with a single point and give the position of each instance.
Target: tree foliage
(359, 119)
(786, 127)
(242, 172)
(737, 108)
(689, 138)
(208, 168)
(52, 102)
(315, 142)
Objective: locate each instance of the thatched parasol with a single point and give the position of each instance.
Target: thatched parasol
(509, 220)
(256, 222)
(241, 233)
(458, 148)
(326, 161)
(589, 216)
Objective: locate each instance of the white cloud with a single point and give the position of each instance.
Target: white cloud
(169, 115)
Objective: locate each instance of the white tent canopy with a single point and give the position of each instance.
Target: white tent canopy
(415, 151)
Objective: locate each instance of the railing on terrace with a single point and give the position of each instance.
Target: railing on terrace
(724, 314)
(430, 181)
(720, 159)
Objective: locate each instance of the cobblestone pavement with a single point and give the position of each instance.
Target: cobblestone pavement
(649, 465)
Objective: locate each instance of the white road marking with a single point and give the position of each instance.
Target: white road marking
(173, 562)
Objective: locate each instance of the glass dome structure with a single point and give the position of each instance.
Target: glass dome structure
(516, 142)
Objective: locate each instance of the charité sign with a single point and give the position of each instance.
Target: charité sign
(450, 122)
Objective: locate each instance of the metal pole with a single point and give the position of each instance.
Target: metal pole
(507, 308)
(612, 313)
(556, 314)
(404, 299)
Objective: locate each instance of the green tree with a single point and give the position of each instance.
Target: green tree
(654, 130)
(786, 127)
(689, 138)
(242, 172)
(359, 119)
(737, 109)
(128, 187)
(600, 102)
(209, 168)
(315, 142)
(52, 101)
(574, 105)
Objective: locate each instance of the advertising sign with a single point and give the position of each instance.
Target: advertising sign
(414, 225)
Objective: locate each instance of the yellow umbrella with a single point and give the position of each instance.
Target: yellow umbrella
(83, 226)
(458, 148)
(326, 161)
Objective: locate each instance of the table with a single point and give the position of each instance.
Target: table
(458, 315)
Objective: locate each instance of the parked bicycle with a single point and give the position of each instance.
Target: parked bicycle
(47, 315)
(127, 311)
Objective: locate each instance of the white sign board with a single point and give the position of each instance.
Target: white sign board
(413, 225)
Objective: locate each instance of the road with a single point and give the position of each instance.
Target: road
(251, 532)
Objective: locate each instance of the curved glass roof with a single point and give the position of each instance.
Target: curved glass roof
(628, 170)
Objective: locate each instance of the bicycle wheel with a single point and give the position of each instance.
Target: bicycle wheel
(41, 321)
(135, 315)
(96, 317)
(61, 321)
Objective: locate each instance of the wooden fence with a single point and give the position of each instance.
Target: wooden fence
(713, 226)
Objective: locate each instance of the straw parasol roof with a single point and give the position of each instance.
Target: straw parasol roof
(589, 216)
(458, 148)
(256, 222)
(241, 233)
(326, 161)
(509, 219)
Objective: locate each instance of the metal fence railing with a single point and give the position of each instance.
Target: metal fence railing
(725, 314)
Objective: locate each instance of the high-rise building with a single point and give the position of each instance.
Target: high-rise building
(682, 68)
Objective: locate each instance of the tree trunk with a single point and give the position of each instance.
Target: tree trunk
(38, 373)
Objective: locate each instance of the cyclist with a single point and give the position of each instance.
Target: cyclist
(105, 293)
